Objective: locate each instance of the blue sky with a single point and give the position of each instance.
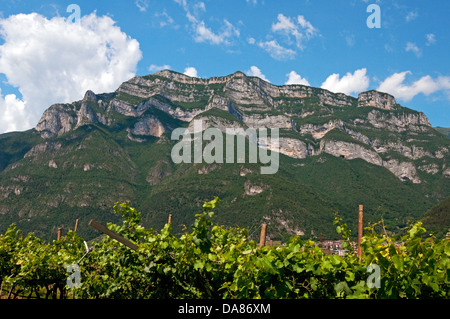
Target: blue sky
(45, 59)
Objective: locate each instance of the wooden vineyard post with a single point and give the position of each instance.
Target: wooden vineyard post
(170, 219)
(59, 233)
(76, 225)
(262, 238)
(360, 231)
(112, 234)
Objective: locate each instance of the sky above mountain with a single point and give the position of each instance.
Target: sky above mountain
(54, 51)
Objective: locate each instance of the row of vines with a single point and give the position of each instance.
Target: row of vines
(213, 261)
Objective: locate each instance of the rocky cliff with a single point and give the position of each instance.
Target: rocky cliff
(336, 151)
(370, 123)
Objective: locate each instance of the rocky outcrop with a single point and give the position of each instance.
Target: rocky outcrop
(255, 103)
(6, 191)
(429, 168)
(295, 148)
(264, 120)
(319, 131)
(376, 99)
(399, 122)
(43, 148)
(55, 121)
(148, 126)
(402, 170)
(85, 115)
(62, 118)
(252, 189)
(350, 151)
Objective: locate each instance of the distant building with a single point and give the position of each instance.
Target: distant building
(335, 247)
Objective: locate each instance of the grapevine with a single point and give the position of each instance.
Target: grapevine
(214, 261)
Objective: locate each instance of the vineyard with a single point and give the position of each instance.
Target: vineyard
(213, 261)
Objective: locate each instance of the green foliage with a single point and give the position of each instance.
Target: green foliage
(443, 130)
(437, 219)
(213, 261)
(33, 268)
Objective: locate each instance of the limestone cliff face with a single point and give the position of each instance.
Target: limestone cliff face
(376, 99)
(399, 122)
(350, 151)
(404, 170)
(148, 126)
(56, 120)
(62, 118)
(295, 148)
(371, 123)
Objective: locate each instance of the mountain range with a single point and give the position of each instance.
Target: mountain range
(335, 153)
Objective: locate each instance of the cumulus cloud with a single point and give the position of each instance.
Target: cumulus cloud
(299, 28)
(190, 71)
(413, 48)
(163, 19)
(431, 39)
(142, 5)
(255, 71)
(412, 15)
(205, 34)
(13, 115)
(55, 61)
(426, 85)
(294, 33)
(349, 83)
(277, 51)
(295, 78)
(156, 68)
(201, 32)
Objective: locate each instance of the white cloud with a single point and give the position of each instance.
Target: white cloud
(205, 34)
(13, 114)
(299, 28)
(142, 5)
(190, 71)
(163, 19)
(349, 83)
(413, 48)
(199, 7)
(431, 39)
(284, 24)
(294, 31)
(295, 78)
(255, 71)
(55, 61)
(277, 51)
(349, 38)
(307, 26)
(156, 68)
(425, 85)
(202, 33)
(388, 48)
(183, 3)
(412, 15)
